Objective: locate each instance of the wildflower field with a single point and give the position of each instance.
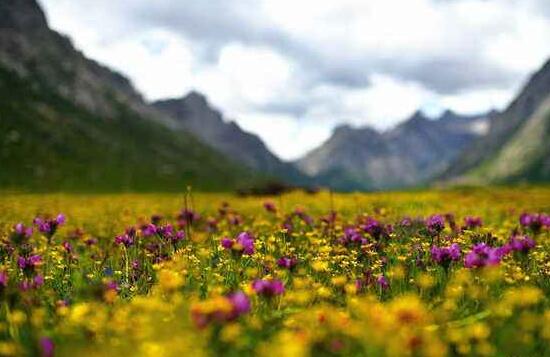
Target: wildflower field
(428, 273)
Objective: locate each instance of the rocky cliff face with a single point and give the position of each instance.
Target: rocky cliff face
(410, 154)
(194, 114)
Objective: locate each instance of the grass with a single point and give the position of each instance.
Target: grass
(384, 295)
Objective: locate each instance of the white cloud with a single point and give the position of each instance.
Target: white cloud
(291, 70)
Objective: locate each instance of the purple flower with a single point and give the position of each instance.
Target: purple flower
(22, 262)
(246, 241)
(30, 262)
(22, 232)
(178, 237)
(435, 224)
(270, 207)
(243, 244)
(374, 228)
(535, 221)
(49, 226)
(383, 282)
(471, 222)
(67, 246)
(47, 347)
(90, 241)
(227, 243)
(287, 262)
(111, 285)
(38, 281)
(148, 230)
(124, 239)
(521, 244)
(483, 255)
(60, 219)
(3, 280)
(268, 288)
(445, 255)
(240, 302)
(188, 216)
(168, 233)
(298, 212)
(406, 222)
(352, 236)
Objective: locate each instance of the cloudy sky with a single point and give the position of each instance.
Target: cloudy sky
(291, 70)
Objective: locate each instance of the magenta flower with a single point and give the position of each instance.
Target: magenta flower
(246, 240)
(47, 347)
(22, 232)
(298, 212)
(522, 244)
(49, 226)
(111, 285)
(243, 244)
(125, 240)
(168, 233)
(30, 262)
(352, 237)
(90, 241)
(270, 207)
(3, 280)
(148, 230)
(240, 302)
(287, 262)
(471, 222)
(188, 216)
(227, 243)
(374, 228)
(268, 288)
(67, 246)
(446, 255)
(383, 282)
(406, 222)
(535, 221)
(483, 255)
(435, 224)
(38, 281)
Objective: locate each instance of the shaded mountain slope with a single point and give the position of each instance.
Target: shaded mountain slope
(410, 154)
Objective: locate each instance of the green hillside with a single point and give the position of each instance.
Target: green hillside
(524, 157)
(48, 143)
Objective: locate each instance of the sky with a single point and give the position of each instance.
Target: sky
(292, 70)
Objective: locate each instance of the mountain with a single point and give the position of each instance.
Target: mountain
(194, 114)
(516, 147)
(408, 155)
(67, 122)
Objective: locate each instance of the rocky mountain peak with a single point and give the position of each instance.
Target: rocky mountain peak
(196, 99)
(22, 15)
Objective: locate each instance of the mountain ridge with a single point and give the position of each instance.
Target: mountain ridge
(406, 155)
(195, 114)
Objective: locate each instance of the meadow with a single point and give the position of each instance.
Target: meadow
(462, 272)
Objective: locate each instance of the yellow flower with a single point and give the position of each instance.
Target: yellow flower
(169, 280)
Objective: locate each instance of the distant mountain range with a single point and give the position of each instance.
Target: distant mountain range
(517, 146)
(70, 123)
(411, 154)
